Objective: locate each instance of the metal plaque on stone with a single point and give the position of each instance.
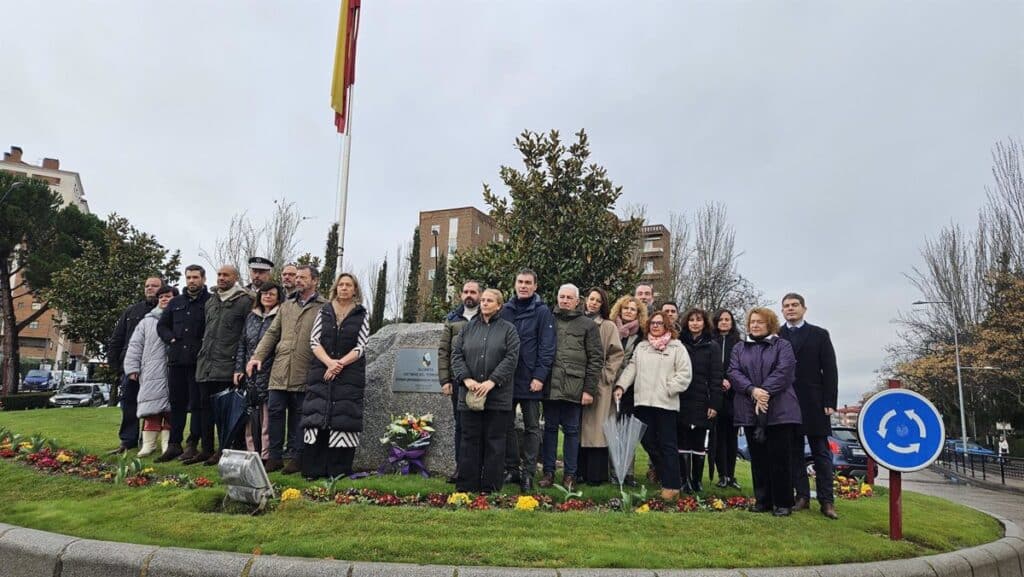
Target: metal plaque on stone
(416, 371)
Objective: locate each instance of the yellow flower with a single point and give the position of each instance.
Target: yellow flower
(526, 503)
(63, 457)
(645, 508)
(25, 445)
(458, 499)
(290, 495)
(148, 470)
(717, 504)
(866, 490)
(6, 445)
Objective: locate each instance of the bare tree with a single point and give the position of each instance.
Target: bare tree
(274, 239)
(704, 263)
(399, 280)
(368, 280)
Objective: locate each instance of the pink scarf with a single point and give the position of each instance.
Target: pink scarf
(627, 329)
(661, 342)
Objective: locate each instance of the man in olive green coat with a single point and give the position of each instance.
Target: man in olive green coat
(287, 340)
(225, 312)
(579, 359)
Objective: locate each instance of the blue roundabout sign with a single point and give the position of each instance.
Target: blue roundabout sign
(901, 430)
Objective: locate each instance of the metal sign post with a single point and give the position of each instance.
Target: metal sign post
(902, 431)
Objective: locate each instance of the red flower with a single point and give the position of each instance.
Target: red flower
(203, 482)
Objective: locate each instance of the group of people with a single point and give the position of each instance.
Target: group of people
(687, 377)
(297, 355)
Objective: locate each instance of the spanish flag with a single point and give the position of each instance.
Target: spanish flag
(344, 61)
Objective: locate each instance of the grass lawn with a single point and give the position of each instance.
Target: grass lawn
(170, 516)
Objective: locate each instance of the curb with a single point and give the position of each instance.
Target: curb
(28, 553)
(976, 481)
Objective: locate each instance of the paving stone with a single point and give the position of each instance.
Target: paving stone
(849, 570)
(397, 569)
(983, 564)
(274, 566)
(949, 565)
(703, 573)
(174, 562)
(30, 552)
(1007, 558)
(88, 558)
(907, 568)
(781, 572)
(605, 573)
(505, 572)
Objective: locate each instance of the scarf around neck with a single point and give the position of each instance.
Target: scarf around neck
(627, 329)
(661, 342)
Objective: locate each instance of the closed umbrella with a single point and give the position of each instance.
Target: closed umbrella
(229, 415)
(255, 397)
(623, 435)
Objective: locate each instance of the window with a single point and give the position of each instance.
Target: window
(435, 229)
(501, 237)
(37, 306)
(648, 266)
(648, 245)
(451, 247)
(477, 230)
(453, 234)
(430, 274)
(433, 252)
(33, 325)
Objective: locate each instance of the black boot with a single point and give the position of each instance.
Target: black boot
(684, 470)
(697, 469)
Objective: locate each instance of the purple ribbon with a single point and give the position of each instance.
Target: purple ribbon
(411, 459)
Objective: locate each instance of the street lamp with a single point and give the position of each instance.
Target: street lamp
(13, 185)
(959, 379)
(435, 232)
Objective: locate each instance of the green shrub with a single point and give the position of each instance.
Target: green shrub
(23, 401)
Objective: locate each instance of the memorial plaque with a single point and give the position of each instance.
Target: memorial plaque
(416, 371)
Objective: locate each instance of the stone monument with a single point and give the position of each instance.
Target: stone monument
(401, 377)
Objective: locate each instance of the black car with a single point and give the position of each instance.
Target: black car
(83, 395)
(848, 456)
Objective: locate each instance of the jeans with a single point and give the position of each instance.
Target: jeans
(483, 450)
(660, 440)
(128, 432)
(822, 467)
(285, 409)
(770, 465)
(567, 414)
(531, 437)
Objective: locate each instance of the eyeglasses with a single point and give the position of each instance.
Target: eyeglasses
(657, 324)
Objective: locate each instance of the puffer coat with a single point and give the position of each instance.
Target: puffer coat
(256, 325)
(337, 405)
(147, 356)
(705, 390)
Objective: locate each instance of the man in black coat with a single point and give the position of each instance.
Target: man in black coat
(181, 326)
(128, 432)
(817, 388)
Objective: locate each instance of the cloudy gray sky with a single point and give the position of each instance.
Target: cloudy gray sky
(839, 134)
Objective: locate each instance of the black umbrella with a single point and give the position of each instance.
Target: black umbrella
(255, 398)
(229, 415)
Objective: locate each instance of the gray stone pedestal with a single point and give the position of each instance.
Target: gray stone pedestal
(381, 403)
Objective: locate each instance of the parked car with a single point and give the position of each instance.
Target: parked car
(105, 389)
(64, 377)
(848, 456)
(39, 380)
(972, 448)
(78, 395)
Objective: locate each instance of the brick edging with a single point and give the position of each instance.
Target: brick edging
(28, 552)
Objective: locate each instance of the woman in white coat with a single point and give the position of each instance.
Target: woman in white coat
(146, 362)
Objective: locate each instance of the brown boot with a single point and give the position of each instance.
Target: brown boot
(569, 482)
(829, 510)
(274, 465)
(198, 458)
(669, 494)
(546, 481)
(213, 460)
(173, 452)
(291, 466)
(190, 453)
(801, 504)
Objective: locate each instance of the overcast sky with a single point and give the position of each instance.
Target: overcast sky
(839, 134)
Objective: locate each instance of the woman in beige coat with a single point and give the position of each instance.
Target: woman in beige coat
(593, 462)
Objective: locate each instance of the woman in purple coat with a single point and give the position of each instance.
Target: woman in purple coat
(762, 371)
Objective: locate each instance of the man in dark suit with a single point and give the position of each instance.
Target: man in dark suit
(817, 389)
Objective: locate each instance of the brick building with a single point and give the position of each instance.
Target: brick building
(42, 341)
(655, 243)
(442, 232)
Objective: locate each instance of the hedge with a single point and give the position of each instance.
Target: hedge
(23, 401)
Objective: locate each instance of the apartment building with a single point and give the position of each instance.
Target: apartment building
(445, 231)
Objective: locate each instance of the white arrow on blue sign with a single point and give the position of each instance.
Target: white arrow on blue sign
(901, 430)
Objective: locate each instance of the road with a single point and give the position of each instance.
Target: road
(1007, 504)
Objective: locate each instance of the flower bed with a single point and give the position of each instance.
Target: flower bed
(44, 455)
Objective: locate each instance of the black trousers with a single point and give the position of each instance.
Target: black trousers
(457, 418)
(725, 446)
(823, 472)
(660, 440)
(770, 465)
(184, 394)
(482, 456)
(285, 409)
(206, 420)
(691, 439)
(593, 465)
(321, 461)
(128, 432)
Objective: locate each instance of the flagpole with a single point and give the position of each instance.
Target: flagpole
(346, 156)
